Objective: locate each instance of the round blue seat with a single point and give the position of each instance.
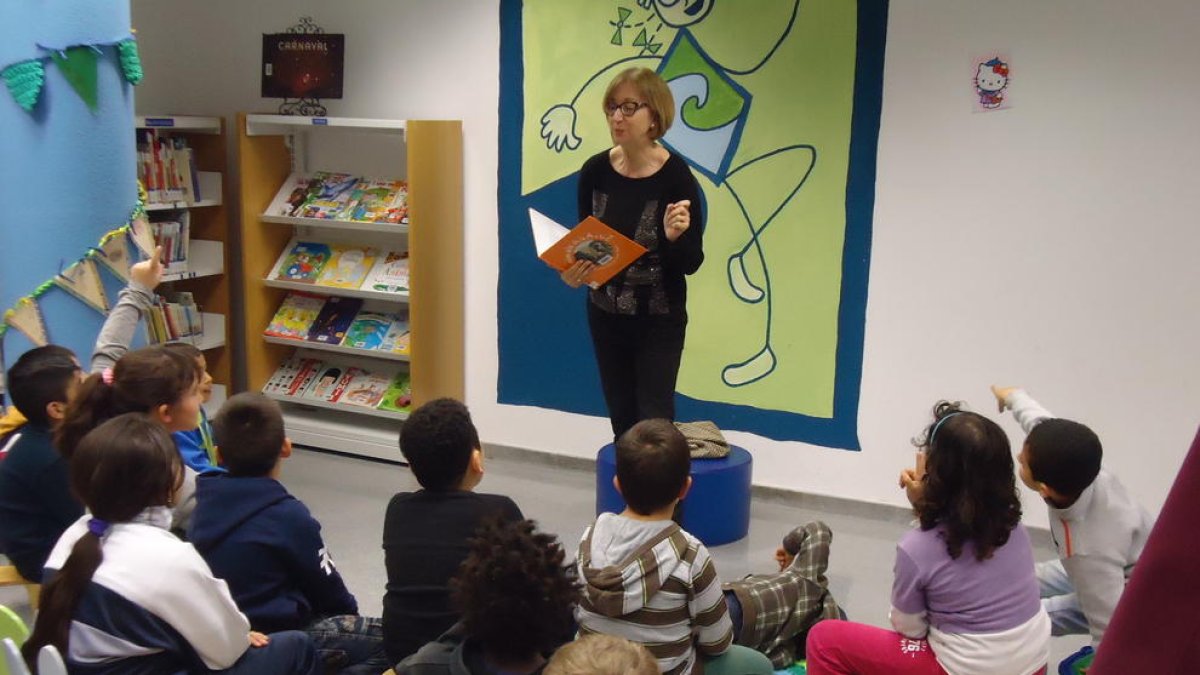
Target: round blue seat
(716, 509)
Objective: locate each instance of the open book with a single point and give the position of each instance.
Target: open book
(591, 240)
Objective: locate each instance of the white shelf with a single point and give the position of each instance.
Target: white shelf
(266, 125)
(349, 351)
(210, 184)
(333, 290)
(192, 123)
(214, 333)
(346, 225)
(358, 411)
(329, 430)
(205, 259)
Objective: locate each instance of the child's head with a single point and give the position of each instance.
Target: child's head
(42, 381)
(653, 462)
(515, 590)
(193, 352)
(153, 380)
(969, 487)
(248, 432)
(119, 469)
(442, 446)
(1060, 459)
(599, 654)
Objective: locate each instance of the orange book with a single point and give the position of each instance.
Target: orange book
(589, 240)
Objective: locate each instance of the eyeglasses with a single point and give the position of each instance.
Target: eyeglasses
(627, 108)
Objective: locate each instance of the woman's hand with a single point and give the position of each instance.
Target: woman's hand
(575, 275)
(257, 639)
(677, 219)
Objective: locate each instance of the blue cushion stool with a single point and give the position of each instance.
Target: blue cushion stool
(716, 510)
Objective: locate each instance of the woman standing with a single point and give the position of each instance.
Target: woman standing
(648, 194)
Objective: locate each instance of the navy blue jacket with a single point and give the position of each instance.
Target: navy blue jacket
(267, 546)
(36, 505)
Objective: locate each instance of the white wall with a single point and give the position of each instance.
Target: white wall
(1050, 245)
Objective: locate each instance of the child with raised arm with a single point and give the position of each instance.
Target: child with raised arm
(1097, 527)
(964, 593)
(125, 595)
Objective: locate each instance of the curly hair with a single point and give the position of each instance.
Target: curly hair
(970, 487)
(599, 654)
(516, 594)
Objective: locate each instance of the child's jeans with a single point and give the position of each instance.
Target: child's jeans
(847, 648)
(1059, 600)
(289, 652)
(350, 644)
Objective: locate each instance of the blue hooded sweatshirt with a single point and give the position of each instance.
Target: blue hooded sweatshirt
(267, 546)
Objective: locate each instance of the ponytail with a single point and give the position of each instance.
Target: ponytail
(91, 405)
(60, 598)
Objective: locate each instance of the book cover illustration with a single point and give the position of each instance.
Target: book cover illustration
(398, 397)
(283, 374)
(366, 389)
(347, 266)
(305, 376)
(336, 316)
(295, 316)
(303, 65)
(330, 384)
(396, 339)
(390, 274)
(294, 205)
(590, 240)
(368, 330)
(380, 201)
(328, 195)
(304, 263)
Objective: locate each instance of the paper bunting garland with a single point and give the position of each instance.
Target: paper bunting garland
(82, 280)
(114, 255)
(142, 235)
(78, 63)
(27, 318)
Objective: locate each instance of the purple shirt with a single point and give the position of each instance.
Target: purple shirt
(966, 595)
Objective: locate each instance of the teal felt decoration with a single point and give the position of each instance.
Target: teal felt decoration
(131, 61)
(25, 80)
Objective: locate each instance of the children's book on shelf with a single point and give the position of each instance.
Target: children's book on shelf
(390, 274)
(173, 236)
(347, 266)
(398, 397)
(328, 195)
(366, 389)
(330, 383)
(295, 316)
(368, 330)
(379, 201)
(336, 316)
(167, 168)
(292, 376)
(396, 338)
(591, 240)
(176, 319)
(304, 263)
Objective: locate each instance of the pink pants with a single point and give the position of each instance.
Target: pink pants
(846, 648)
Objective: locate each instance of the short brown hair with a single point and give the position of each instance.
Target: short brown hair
(248, 429)
(656, 92)
(599, 654)
(653, 462)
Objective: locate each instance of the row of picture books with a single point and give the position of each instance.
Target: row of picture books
(307, 379)
(174, 319)
(339, 321)
(173, 236)
(341, 196)
(167, 168)
(344, 266)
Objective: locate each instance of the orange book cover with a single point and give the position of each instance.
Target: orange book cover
(593, 240)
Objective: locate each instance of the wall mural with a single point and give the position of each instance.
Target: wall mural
(778, 115)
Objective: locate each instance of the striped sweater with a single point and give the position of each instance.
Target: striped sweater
(653, 583)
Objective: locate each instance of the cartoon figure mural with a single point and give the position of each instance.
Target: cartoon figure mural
(991, 80)
(777, 114)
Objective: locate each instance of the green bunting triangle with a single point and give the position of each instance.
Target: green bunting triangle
(24, 81)
(640, 40)
(616, 38)
(623, 13)
(78, 65)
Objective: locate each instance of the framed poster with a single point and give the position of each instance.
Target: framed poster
(303, 65)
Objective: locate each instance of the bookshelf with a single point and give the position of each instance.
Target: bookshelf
(426, 154)
(207, 275)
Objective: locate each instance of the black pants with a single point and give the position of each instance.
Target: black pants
(638, 357)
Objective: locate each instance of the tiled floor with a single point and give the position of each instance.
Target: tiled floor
(348, 496)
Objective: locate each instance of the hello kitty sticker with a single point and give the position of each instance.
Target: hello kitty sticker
(991, 77)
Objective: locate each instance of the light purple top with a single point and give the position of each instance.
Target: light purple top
(966, 595)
